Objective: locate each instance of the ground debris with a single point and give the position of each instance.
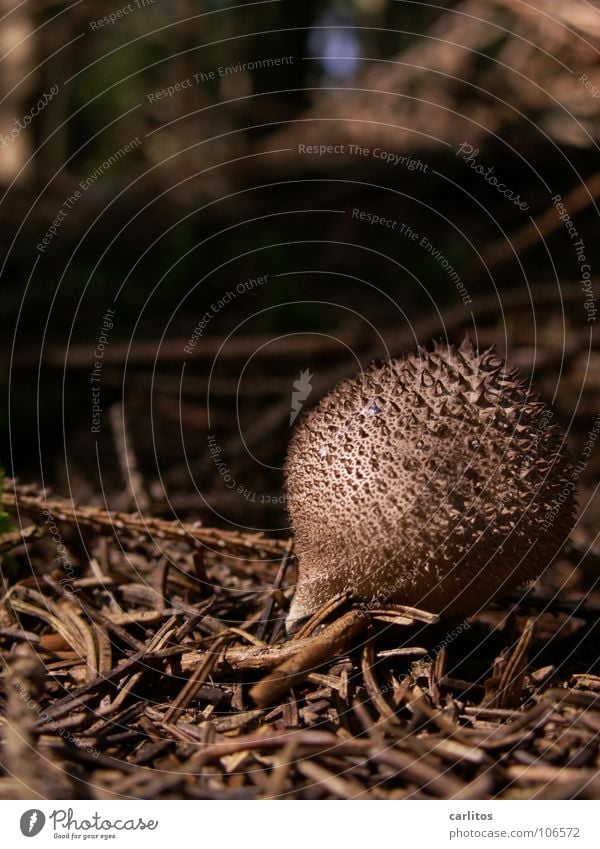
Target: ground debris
(171, 678)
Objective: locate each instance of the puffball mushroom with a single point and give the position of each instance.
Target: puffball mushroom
(437, 481)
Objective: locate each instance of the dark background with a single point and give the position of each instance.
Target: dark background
(218, 192)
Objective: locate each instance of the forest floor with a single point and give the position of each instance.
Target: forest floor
(152, 662)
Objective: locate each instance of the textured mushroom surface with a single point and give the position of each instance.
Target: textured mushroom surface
(436, 480)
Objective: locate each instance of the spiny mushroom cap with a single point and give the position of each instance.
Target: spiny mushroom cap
(436, 480)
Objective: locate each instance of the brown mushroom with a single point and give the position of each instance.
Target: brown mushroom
(437, 480)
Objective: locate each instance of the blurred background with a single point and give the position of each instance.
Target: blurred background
(211, 213)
